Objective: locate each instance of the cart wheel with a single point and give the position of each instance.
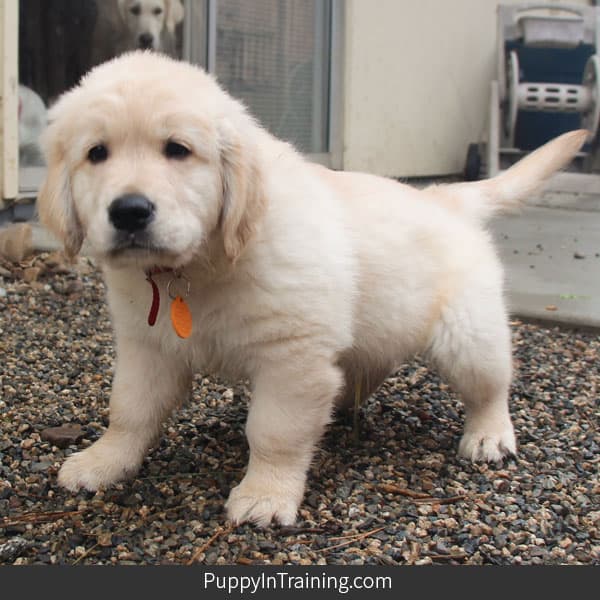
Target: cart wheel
(473, 163)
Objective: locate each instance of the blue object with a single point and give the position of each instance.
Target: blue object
(544, 65)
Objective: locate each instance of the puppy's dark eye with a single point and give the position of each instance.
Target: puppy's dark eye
(176, 150)
(157, 10)
(97, 154)
(135, 10)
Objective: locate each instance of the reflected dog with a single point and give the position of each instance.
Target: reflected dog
(145, 22)
(295, 277)
(125, 25)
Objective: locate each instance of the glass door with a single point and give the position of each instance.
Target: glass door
(281, 57)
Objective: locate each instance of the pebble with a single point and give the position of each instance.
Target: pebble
(539, 508)
(64, 435)
(11, 549)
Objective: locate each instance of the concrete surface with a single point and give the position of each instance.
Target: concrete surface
(552, 261)
(43, 240)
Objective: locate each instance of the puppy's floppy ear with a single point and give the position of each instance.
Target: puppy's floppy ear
(54, 202)
(174, 14)
(244, 199)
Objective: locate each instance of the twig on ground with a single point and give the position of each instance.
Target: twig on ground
(349, 539)
(33, 518)
(220, 532)
(448, 500)
(396, 489)
(451, 556)
(90, 549)
(287, 531)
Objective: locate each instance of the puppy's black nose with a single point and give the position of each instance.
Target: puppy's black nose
(131, 212)
(145, 40)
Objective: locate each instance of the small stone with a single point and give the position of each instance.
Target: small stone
(10, 550)
(578, 255)
(54, 259)
(313, 500)
(30, 274)
(63, 436)
(27, 443)
(551, 307)
(15, 242)
(74, 287)
(40, 467)
(105, 540)
(501, 485)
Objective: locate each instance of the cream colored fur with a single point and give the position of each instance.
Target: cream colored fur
(302, 279)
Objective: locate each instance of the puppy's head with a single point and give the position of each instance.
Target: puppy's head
(149, 160)
(145, 20)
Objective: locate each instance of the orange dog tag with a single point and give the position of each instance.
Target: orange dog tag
(181, 317)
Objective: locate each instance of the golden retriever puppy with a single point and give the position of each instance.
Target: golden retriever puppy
(298, 278)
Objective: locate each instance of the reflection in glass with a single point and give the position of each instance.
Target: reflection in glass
(274, 54)
(59, 41)
(32, 121)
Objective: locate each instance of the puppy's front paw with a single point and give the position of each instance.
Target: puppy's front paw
(490, 443)
(263, 503)
(98, 466)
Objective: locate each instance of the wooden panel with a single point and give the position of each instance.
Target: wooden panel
(9, 100)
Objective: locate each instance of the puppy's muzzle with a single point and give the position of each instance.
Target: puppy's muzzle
(131, 213)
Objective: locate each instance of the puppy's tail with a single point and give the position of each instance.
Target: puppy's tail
(480, 200)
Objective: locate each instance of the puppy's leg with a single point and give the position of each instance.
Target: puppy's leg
(147, 386)
(290, 407)
(471, 347)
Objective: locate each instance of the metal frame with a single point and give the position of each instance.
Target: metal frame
(211, 36)
(195, 41)
(320, 77)
(334, 156)
(335, 86)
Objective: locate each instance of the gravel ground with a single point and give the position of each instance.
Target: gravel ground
(400, 495)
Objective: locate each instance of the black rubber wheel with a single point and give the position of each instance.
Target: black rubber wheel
(473, 163)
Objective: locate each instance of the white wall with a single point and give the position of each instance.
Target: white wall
(417, 79)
